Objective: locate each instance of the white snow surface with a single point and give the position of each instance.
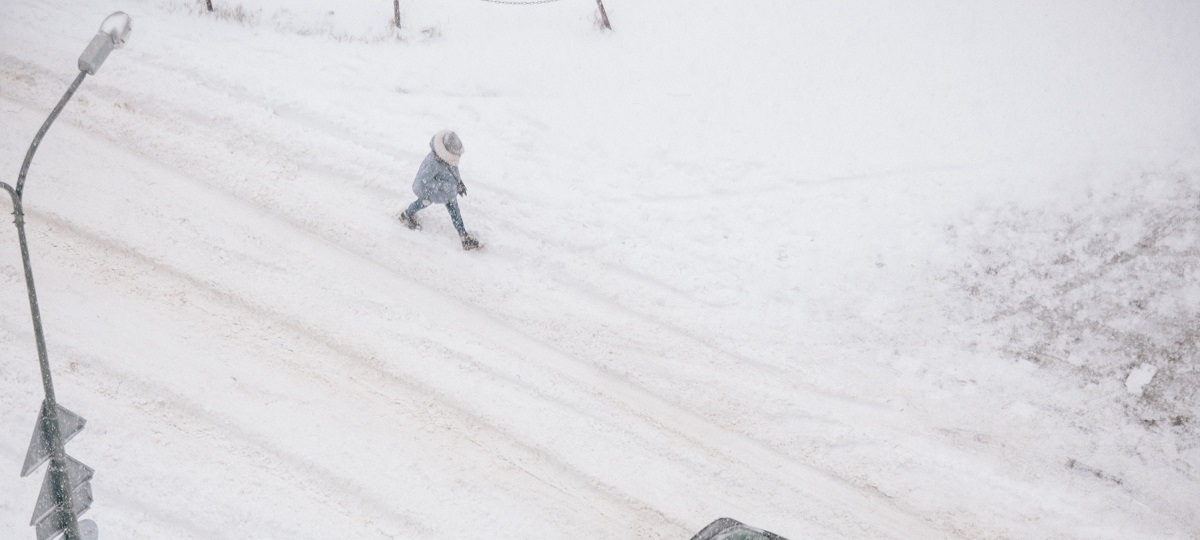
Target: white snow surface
(713, 282)
(1139, 378)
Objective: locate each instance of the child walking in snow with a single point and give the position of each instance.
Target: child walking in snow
(438, 182)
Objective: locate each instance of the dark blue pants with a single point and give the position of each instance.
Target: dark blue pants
(451, 206)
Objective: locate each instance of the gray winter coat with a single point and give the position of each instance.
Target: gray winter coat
(437, 181)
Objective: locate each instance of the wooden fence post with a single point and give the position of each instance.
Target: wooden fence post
(603, 15)
(396, 6)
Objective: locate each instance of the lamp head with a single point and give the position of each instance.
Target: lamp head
(114, 31)
(117, 27)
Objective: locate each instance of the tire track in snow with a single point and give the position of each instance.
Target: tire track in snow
(106, 254)
(718, 442)
(638, 393)
(184, 415)
(12, 331)
(363, 368)
(849, 410)
(686, 426)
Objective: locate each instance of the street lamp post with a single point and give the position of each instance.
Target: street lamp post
(69, 493)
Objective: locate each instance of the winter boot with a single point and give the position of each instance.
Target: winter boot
(409, 221)
(470, 243)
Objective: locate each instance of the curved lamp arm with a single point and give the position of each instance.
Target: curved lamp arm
(113, 34)
(37, 139)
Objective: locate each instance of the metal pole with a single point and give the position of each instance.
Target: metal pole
(45, 127)
(58, 456)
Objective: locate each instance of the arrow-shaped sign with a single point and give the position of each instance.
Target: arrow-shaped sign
(56, 522)
(69, 424)
(78, 476)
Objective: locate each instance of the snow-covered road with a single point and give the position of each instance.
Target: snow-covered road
(712, 284)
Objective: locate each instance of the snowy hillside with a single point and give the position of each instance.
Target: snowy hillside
(869, 270)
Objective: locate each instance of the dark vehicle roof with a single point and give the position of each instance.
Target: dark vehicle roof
(728, 525)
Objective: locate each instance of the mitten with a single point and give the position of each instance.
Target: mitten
(462, 188)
